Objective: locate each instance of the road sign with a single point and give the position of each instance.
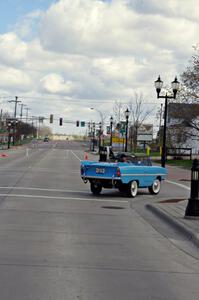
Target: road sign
(122, 131)
(108, 129)
(118, 140)
(145, 133)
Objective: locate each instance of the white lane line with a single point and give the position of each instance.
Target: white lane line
(179, 184)
(35, 169)
(40, 189)
(66, 154)
(62, 198)
(76, 155)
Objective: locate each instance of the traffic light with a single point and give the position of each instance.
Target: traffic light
(51, 118)
(82, 124)
(60, 121)
(77, 123)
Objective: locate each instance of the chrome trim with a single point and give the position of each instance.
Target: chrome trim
(144, 174)
(110, 178)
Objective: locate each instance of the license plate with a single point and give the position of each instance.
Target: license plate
(100, 171)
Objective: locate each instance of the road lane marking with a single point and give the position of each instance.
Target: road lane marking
(66, 154)
(75, 155)
(35, 169)
(178, 184)
(27, 153)
(62, 198)
(41, 189)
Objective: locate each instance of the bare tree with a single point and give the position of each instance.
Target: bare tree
(188, 96)
(118, 109)
(159, 117)
(190, 77)
(139, 113)
(45, 130)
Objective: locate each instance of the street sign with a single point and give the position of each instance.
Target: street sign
(122, 131)
(108, 129)
(145, 133)
(118, 140)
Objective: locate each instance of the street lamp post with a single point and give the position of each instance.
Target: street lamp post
(100, 113)
(100, 128)
(175, 87)
(93, 129)
(111, 130)
(101, 124)
(127, 113)
(16, 101)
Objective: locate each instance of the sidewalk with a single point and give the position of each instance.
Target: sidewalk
(172, 211)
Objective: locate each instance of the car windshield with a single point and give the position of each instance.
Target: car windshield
(131, 158)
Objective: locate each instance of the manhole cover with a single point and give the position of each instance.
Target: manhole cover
(113, 207)
(171, 200)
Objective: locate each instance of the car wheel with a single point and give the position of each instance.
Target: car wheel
(132, 189)
(155, 187)
(122, 188)
(96, 188)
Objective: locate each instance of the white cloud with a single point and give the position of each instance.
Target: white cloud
(12, 50)
(55, 83)
(109, 29)
(14, 80)
(87, 27)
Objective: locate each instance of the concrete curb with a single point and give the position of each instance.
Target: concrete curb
(182, 228)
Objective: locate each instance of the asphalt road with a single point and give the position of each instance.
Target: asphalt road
(59, 242)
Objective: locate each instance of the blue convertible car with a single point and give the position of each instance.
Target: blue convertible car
(127, 177)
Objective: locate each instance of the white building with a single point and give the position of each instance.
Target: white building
(183, 125)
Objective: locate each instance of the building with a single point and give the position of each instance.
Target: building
(183, 126)
(61, 137)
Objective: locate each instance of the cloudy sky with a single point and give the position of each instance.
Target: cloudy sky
(63, 57)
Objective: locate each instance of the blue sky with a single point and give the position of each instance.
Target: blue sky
(12, 10)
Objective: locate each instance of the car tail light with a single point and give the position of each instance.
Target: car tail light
(118, 172)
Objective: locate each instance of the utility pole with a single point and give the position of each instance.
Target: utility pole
(1, 115)
(16, 101)
(21, 115)
(27, 110)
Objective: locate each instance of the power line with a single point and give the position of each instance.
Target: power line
(77, 100)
